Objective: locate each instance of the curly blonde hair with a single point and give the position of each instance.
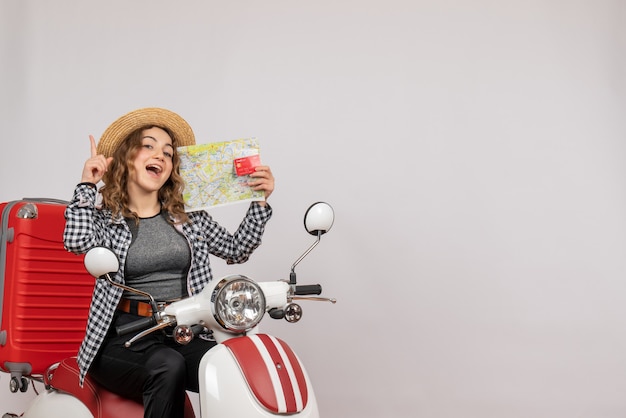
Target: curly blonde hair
(115, 191)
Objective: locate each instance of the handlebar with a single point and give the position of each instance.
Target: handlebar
(144, 324)
(138, 325)
(308, 289)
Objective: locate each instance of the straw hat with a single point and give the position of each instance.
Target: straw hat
(125, 125)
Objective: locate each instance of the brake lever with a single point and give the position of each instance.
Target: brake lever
(316, 298)
(165, 322)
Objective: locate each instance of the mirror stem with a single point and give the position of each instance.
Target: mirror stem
(292, 275)
(153, 304)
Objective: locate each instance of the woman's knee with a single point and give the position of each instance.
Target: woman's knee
(166, 363)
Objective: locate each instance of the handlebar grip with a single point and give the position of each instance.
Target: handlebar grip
(138, 325)
(308, 289)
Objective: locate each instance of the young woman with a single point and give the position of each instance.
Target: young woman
(162, 250)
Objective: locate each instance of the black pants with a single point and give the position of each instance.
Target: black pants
(154, 370)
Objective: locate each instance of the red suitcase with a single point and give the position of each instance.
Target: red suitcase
(45, 291)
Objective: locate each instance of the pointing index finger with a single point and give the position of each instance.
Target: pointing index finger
(94, 150)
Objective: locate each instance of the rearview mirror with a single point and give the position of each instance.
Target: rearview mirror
(100, 261)
(319, 218)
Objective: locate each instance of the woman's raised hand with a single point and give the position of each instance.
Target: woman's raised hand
(96, 165)
(262, 179)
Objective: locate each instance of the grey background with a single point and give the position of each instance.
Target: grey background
(473, 152)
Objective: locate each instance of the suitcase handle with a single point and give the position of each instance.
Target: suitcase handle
(46, 200)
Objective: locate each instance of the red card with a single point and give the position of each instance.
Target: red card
(246, 165)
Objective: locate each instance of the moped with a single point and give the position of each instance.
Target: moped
(247, 374)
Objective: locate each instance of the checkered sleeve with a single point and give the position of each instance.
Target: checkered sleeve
(238, 246)
(82, 221)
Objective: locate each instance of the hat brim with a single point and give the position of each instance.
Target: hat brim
(119, 130)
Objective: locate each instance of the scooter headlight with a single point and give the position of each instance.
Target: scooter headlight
(238, 303)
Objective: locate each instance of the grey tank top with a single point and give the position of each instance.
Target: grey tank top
(158, 260)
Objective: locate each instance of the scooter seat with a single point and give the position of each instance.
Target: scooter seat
(100, 402)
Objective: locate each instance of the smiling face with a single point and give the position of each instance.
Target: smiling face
(152, 165)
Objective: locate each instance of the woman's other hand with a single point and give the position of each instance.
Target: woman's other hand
(262, 179)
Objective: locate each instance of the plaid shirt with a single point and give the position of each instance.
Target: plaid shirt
(88, 226)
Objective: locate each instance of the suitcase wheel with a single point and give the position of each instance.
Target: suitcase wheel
(20, 384)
